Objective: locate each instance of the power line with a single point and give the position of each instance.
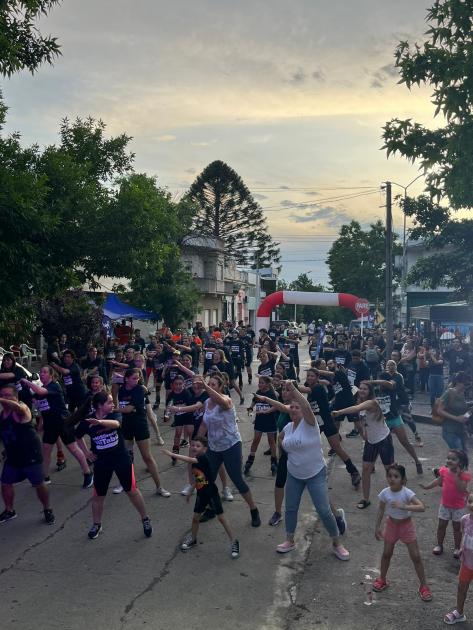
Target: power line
(307, 206)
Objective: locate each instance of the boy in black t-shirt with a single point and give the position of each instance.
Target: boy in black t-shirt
(207, 493)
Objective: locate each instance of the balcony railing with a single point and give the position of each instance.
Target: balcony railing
(217, 287)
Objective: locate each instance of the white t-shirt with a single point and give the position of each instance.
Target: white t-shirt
(376, 430)
(404, 495)
(222, 428)
(304, 449)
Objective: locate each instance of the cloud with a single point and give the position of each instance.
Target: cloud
(300, 205)
(191, 171)
(167, 137)
(312, 193)
(298, 77)
(331, 216)
(284, 188)
(203, 143)
(262, 139)
(259, 197)
(319, 75)
(382, 75)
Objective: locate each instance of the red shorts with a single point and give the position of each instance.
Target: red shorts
(404, 531)
(466, 574)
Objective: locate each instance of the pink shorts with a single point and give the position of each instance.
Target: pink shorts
(404, 531)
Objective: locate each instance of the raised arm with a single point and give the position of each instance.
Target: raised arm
(367, 404)
(296, 396)
(37, 389)
(275, 404)
(217, 397)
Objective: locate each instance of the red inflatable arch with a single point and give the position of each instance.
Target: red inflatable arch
(357, 305)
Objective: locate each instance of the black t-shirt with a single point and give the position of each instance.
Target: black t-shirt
(342, 357)
(76, 391)
(357, 372)
(267, 369)
(194, 399)
(52, 406)
(24, 393)
(273, 333)
(236, 348)
(264, 406)
(104, 442)
(184, 399)
(223, 367)
(318, 400)
(288, 365)
(355, 342)
(457, 360)
(327, 352)
(21, 442)
(135, 397)
(203, 477)
(293, 347)
(159, 361)
(389, 398)
(313, 352)
(342, 390)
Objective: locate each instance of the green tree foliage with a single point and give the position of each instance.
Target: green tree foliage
(357, 261)
(450, 259)
(225, 209)
(73, 314)
(21, 45)
(444, 62)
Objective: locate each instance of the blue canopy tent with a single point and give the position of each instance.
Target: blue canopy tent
(114, 308)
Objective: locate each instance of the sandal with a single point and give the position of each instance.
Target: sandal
(380, 585)
(437, 550)
(454, 617)
(363, 504)
(425, 593)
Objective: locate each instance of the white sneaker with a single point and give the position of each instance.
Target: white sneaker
(159, 441)
(187, 490)
(227, 494)
(163, 492)
(118, 489)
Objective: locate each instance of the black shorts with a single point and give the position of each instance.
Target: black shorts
(295, 360)
(384, 449)
(135, 429)
(281, 474)
(328, 428)
(266, 423)
(237, 367)
(158, 376)
(208, 498)
(119, 464)
(248, 359)
(183, 420)
(55, 428)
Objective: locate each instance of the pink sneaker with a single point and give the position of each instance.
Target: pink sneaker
(341, 552)
(285, 547)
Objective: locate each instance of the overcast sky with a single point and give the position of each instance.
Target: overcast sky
(292, 94)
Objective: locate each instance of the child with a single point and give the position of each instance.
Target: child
(398, 502)
(207, 493)
(453, 479)
(466, 569)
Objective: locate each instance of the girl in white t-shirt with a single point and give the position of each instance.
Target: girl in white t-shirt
(397, 503)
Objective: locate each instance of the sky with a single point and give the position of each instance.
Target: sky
(292, 94)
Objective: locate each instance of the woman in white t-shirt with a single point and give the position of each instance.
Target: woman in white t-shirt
(375, 432)
(306, 469)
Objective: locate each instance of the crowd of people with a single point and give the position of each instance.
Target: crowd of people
(99, 406)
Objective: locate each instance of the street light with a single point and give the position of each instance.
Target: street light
(404, 250)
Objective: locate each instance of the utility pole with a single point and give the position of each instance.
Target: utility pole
(388, 302)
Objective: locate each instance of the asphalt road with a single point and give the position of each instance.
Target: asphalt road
(54, 577)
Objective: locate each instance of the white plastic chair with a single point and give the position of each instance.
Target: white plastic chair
(28, 353)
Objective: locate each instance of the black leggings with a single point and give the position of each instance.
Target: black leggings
(232, 459)
(281, 474)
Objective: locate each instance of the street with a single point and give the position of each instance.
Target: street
(56, 578)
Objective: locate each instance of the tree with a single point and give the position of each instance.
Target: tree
(444, 61)
(73, 314)
(225, 209)
(21, 45)
(357, 261)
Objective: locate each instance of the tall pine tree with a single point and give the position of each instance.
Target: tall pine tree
(225, 209)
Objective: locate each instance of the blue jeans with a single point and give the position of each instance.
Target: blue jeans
(454, 440)
(318, 490)
(435, 386)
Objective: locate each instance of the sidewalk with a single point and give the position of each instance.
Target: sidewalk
(330, 594)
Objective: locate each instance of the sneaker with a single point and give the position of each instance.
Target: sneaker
(418, 440)
(227, 494)
(255, 518)
(355, 479)
(187, 490)
(159, 440)
(162, 492)
(286, 547)
(457, 554)
(155, 406)
(268, 452)
(419, 469)
(49, 518)
(188, 543)
(147, 527)
(275, 519)
(94, 531)
(118, 489)
(246, 469)
(88, 481)
(437, 550)
(60, 465)
(206, 515)
(47, 480)
(331, 452)
(184, 442)
(7, 515)
(235, 549)
(242, 401)
(353, 434)
(341, 520)
(340, 552)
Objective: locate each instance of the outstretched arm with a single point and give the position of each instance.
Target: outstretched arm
(182, 458)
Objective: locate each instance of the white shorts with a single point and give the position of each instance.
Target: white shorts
(451, 514)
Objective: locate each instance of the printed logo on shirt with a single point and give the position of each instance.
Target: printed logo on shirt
(351, 374)
(337, 388)
(43, 405)
(122, 404)
(265, 372)
(18, 387)
(68, 379)
(209, 355)
(384, 403)
(103, 441)
(261, 406)
(200, 479)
